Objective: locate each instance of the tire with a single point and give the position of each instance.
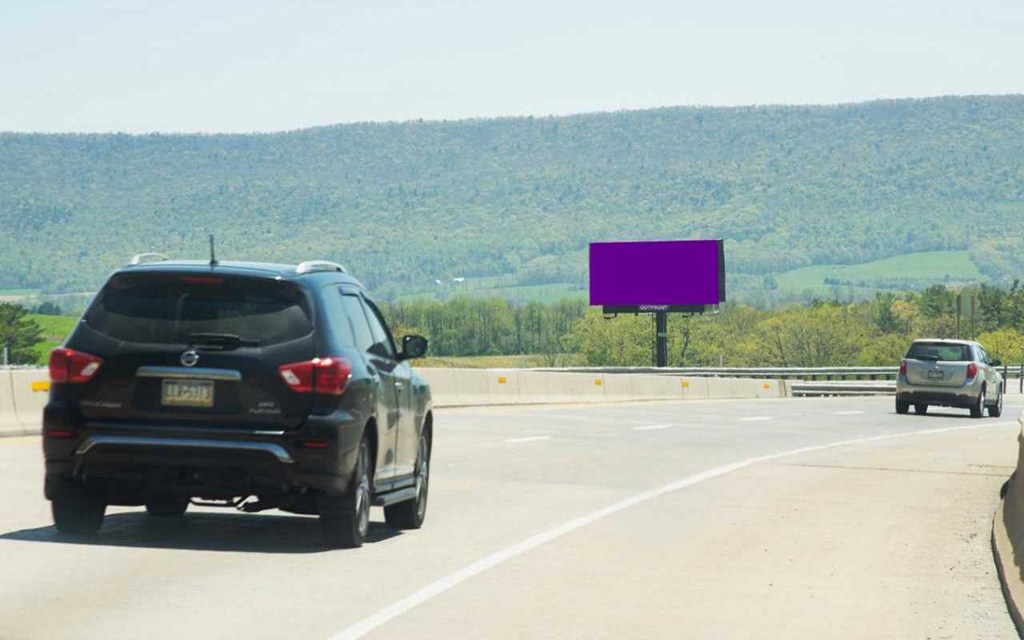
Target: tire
(902, 406)
(411, 513)
(996, 410)
(920, 408)
(168, 506)
(78, 514)
(346, 520)
(978, 408)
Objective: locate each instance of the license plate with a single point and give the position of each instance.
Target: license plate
(187, 393)
(935, 375)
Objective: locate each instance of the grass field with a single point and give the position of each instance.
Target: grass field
(933, 265)
(545, 293)
(55, 330)
(17, 293)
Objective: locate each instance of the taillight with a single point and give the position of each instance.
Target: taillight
(73, 367)
(903, 368)
(320, 375)
(972, 370)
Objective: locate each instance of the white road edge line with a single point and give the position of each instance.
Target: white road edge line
(652, 427)
(527, 439)
(755, 419)
(385, 615)
(848, 413)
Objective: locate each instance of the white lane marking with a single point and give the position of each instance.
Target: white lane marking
(755, 419)
(848, 413)
(383, 616)
(652, 427)
(527, 439)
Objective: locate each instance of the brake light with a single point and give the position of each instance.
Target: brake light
(903, 367)
(972, 370)
(327, 375)
(313, 444)
(72, 367)
(60, 433)
(202, 280)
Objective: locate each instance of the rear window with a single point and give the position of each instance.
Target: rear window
(939, 352)
(168, 310)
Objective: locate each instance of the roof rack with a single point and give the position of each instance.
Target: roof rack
(143, 258)
(313, 266)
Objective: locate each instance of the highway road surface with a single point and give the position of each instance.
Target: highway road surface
(795, 518)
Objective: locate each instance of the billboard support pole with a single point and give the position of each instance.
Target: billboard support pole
(661, 337)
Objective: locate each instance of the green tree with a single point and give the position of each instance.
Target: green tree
(18, 333)
(1004, 344)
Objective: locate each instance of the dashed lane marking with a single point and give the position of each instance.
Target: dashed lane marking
(848, 413)
(452, 580)
(756, 419)
(527, 439)
(652, 427)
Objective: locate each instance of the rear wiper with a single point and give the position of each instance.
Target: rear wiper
(221, 340)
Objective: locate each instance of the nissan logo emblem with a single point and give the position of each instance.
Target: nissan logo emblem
(190, 358)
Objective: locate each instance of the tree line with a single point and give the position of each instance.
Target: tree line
(824, 333)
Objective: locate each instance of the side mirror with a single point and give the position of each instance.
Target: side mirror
(997, 363)
(413, 347)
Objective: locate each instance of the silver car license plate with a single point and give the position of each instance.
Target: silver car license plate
(187, 393)
(935, 375)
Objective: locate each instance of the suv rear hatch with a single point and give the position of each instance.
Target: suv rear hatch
(195, 349)
(938, 364)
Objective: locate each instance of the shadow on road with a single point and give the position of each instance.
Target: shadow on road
(204, 532)
(941, 414)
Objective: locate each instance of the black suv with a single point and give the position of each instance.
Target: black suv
(246, 385)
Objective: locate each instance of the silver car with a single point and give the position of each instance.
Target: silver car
(949, 373)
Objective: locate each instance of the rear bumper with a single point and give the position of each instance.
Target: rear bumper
(963, 396)
(129, 462)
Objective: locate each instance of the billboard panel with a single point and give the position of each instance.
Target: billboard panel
(657, 276)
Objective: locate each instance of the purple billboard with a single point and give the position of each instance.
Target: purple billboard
(671, 273)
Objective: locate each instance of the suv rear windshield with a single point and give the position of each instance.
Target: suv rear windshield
(174, 309)
(939, 351)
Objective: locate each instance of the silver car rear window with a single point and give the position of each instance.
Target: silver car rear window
(939, 352)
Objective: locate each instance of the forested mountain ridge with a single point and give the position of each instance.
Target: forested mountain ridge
(404, 203)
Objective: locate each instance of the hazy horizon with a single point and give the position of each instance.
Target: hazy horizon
(236, 67)
(527, 116)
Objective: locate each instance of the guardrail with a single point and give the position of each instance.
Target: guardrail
(841, 388)
(777, 373)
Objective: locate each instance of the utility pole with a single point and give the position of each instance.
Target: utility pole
(959, 300)
(972, 315)
(661, 330)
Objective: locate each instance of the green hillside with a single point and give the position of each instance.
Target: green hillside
(902, 272)
(516, 200)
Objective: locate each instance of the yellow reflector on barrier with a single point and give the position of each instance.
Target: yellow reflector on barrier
(501, 379)
(42, 385)
(686, 384)
(597, 381)
(765, 386)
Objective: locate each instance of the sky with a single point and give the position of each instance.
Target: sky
(225, 66)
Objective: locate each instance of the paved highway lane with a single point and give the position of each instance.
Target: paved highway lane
(667, 520)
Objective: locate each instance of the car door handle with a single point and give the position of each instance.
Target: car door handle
(398, 385)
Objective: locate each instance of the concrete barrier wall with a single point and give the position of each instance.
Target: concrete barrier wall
(474, 387)
(31, 389)
(23, 392)
(9, 423)
(1008, 537)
